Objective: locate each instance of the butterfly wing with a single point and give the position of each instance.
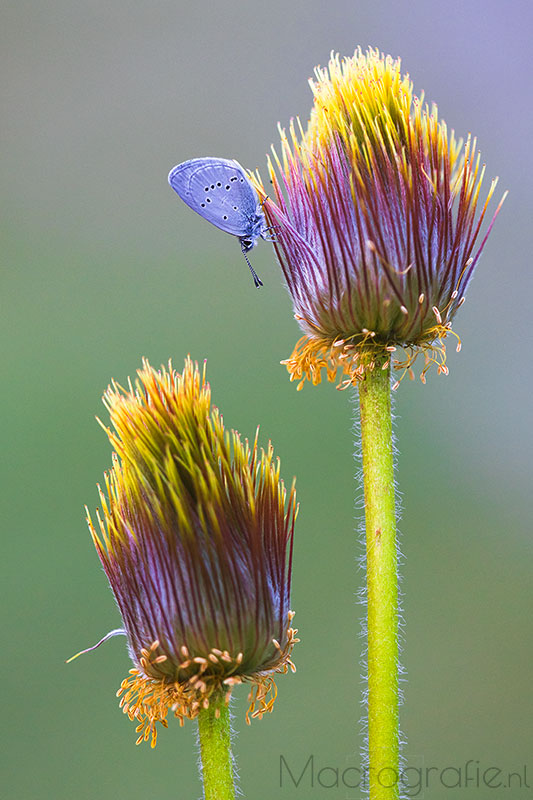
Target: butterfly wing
(219, 190)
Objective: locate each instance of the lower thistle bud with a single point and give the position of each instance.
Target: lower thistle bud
(195, 537)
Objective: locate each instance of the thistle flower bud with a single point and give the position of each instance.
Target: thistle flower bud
(376, 217)
(195, 537)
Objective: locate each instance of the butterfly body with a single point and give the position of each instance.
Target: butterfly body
(220, 191)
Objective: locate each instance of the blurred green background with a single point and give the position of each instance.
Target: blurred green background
(103, 264)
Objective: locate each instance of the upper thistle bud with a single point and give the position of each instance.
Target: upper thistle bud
(376, 218)
(195, 538)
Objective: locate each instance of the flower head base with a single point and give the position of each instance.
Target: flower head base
(376, 222)
(196, 540)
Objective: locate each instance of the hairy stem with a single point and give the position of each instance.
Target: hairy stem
(215, 751)
(382, 583)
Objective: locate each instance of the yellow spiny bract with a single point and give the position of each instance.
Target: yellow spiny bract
(367, 102)
(165, 413)
(351, 93)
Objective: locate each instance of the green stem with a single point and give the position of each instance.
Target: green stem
(382, 583)
(215, 751)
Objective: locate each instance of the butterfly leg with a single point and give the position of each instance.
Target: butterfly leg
(269, 237)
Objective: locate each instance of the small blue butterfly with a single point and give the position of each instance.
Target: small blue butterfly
(220, 191)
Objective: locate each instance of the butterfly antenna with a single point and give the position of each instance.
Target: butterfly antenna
(257, 280)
